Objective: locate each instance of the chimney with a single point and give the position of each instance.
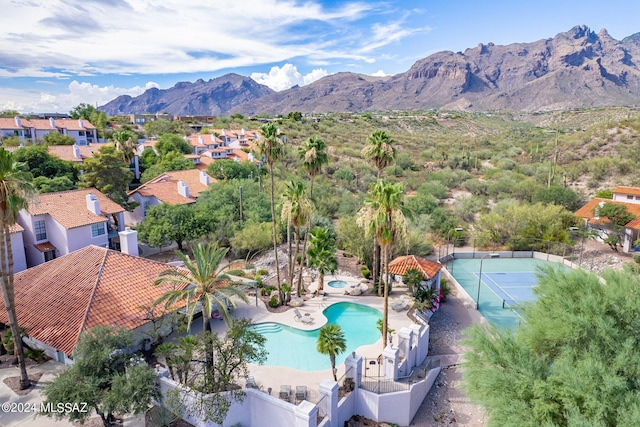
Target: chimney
(243, 132)
(52, 122)
(93, 204)
(183, 189)
(251, 157)
(224, 132)
(76, 151)
(18, 122)
(129, 241)
(204, 178)
(201, 140)
(80, 123)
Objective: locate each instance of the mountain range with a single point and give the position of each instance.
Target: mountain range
(575, 69)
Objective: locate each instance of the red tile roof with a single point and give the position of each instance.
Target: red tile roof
(69, 208)
(65, 152)
(9, 123)
(401, 264)
(165, 187)
(627, 190)
(58, 300)
(588, 211)
(44, 247)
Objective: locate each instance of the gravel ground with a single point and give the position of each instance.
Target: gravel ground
(446, 403)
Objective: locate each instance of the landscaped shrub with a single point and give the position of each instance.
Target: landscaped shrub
(444, 289)
(273, 302)
(366, 273)
(263, 272)
(240, 273)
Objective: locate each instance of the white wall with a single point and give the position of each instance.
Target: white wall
(258, 409)
(347, 407)
(19, 256)
(137, 215)
(49, 351)
(399, 407)
(80, 237)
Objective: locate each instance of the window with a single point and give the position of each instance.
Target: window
(97, 229)
(145, 206)
(49, 255)
(629, 197)
(40, 229)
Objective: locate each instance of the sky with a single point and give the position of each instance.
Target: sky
(57, 54)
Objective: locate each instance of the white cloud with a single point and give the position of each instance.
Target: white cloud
(281, 78)
(28, 101)
(173, 36)
(379, 73)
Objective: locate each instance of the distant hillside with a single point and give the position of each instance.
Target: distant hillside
(575, 69)
(212, 98)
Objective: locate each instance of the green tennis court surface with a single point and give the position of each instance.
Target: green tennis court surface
(505, 283)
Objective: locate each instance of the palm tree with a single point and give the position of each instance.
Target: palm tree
(296, 210)
(126, 142)
(331, 342)
(322, 254)
(200, 284)
(380, 151)
(384, 215)
(314, 156)
(271, 148)
(16, 191)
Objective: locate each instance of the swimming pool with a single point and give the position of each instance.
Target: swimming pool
(337, 283)
(295, 348)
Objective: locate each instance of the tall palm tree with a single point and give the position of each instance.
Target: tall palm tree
(331, 341)
(322, 254)
(16, 191)
(313, 153)
(380, 151)
(200, 283)
(384, 215)
(271, 147)
(296, 210)
(126, 141)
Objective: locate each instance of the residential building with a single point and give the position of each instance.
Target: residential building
(17, 245)
(62, 222)
(174, 188)
(93, 286)
(34, 130)
(626, 196)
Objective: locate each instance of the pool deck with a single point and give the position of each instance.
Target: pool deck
(275, 376)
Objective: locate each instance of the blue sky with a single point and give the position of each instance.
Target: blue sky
(56, 54)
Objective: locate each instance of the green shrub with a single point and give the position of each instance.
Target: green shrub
(273, 302)
(240, 273)
(263, 272)
(366, 273)
(35, 354)
(444, 288)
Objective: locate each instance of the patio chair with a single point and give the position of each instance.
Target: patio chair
(301, 393)
(401, 304)
(285, 392)
(251, 383)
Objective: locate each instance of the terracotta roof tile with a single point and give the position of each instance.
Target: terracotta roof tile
(9, 123)
(44, 247)
(65, 152)
(69, 208)
(401, 264)
(588, 211)
(165, 187)
(93, 286)
(627, 190)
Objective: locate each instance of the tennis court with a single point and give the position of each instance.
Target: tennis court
(505, 283)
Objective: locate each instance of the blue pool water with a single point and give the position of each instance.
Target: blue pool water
(295, 348)
(337, 283)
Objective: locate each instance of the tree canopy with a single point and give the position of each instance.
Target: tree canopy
(107, 172)
(104, 377)
(166, 223)
(574, 360)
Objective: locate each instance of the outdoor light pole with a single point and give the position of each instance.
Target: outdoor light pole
(492, 255)
(457, 229)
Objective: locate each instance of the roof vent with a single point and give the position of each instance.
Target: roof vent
(18, 122)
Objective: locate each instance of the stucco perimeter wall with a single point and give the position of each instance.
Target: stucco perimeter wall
(346, 408)
(257, 409)
(399, 407)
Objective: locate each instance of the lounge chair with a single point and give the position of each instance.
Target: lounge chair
(301, 393)
(401, 304)
(251, 383)
(300, 318)
(285, 392)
